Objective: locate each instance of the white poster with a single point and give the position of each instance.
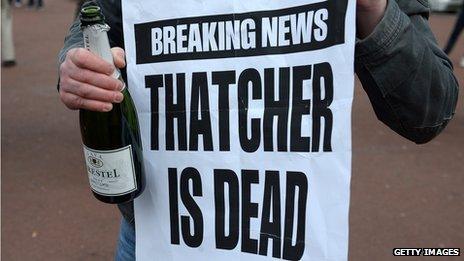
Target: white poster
(245, 113)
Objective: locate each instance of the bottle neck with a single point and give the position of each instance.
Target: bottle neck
(96, 41)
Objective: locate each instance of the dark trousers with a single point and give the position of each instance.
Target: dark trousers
(456, 32)
(32, 3)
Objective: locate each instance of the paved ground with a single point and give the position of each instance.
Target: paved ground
(403, 195)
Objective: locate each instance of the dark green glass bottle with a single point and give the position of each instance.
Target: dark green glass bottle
(112, 144)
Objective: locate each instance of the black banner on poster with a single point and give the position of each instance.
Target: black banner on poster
(290, 30)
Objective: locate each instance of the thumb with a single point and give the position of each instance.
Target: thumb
(119, 57)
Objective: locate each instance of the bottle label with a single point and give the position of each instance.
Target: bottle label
(111, 172)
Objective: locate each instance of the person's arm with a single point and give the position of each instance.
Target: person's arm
(408, 78)
(85, 80)
(87, 83)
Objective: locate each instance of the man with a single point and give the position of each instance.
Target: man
(408, 79)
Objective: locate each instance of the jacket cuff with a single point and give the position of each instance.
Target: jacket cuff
(64, 51)
(394, 21)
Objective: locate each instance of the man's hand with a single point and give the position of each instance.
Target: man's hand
(86, 82)
(369, 14)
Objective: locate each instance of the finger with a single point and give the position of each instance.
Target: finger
(91, 92)
(87, 60)
(97, 79)
(119, 57)
(75, 102)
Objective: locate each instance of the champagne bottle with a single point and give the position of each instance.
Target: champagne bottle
(112, 144)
